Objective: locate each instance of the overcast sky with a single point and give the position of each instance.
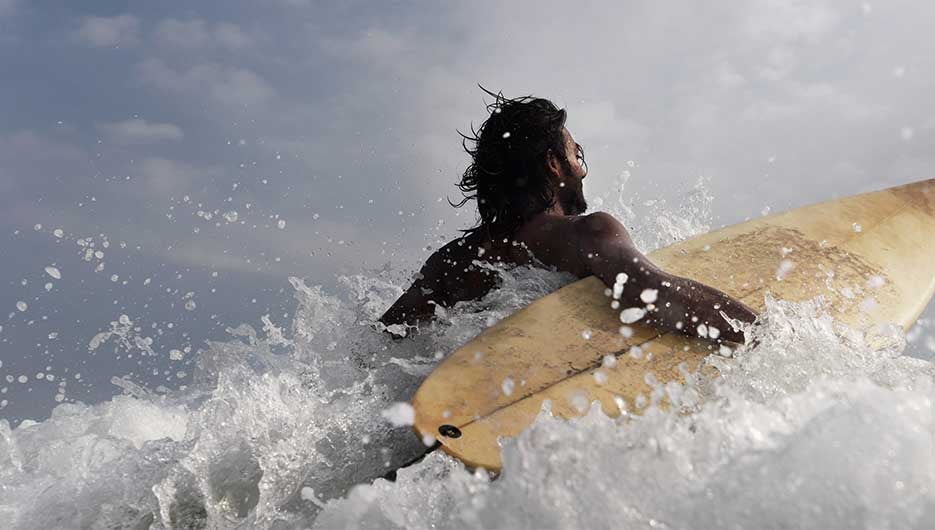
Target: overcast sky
(227, 145)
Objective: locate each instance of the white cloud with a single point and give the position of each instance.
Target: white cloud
(140, 131)
(196, 34)
(121, 30)
(224, 85)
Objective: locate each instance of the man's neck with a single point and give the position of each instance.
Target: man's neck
(556, 209)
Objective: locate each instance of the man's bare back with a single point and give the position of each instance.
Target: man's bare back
(452, 273)
(544, 225)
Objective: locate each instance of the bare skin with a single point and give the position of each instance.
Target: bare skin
(583, 245)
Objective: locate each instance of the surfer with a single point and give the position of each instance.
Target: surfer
(526, 176)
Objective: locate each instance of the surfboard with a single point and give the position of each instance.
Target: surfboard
(870, 256)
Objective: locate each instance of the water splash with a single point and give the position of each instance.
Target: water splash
(812, 418)
(271, 415)
(654, 223)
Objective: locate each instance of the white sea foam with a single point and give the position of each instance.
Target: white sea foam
(270, 415)
(810, 429)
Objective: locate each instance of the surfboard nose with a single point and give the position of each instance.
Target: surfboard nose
(919, 195)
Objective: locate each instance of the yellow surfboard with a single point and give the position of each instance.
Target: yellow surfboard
(871, 256)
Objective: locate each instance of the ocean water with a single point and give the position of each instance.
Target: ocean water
(291, 425)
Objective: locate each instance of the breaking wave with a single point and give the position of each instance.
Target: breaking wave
(292, 425)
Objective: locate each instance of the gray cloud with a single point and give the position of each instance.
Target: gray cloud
(120, 30)
(140, 131)
(211, 83)
(232, 37)
(165, 177)
(197, 34)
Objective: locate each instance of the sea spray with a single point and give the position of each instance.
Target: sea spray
(270, 413)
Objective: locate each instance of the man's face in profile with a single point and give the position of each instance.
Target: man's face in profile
(571, 182)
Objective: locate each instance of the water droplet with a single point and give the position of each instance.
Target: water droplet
(785, 267)
(507, 386)
(600, 377)
(632, 314)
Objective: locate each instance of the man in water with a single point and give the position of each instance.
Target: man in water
(527, 177)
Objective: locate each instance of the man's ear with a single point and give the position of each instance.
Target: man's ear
(555, 167)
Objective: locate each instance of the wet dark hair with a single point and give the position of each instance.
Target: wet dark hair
(508, 175)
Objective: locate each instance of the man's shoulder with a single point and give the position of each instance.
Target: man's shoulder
(454, 249)
(573, 227)
(599, 224)
(449, 255)
(595, 221)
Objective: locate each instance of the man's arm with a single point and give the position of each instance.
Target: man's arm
(418, 302)
(678, 304)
